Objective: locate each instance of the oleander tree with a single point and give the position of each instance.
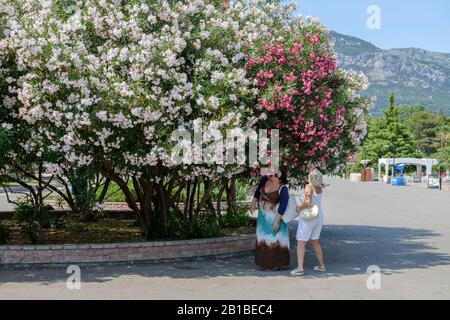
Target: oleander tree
(104, 84)
(100, 86)
(5, 135)
(315, 106)
(25, 157)
(9, 133)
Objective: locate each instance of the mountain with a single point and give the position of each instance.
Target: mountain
(415, 76)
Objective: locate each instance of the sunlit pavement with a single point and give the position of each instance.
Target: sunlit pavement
(404, 231)
(4, 205)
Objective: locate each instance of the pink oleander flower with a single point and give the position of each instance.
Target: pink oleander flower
(290, 77)
(300, 100)
(296, 49)
(315, 39)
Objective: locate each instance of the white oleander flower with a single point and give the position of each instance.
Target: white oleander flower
(214, 101)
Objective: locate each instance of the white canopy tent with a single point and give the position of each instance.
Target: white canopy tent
(419, 163)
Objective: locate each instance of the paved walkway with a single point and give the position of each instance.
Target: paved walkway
(405, 231)
(4, 205)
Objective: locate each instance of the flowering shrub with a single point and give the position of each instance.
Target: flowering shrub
(109, 81)
(101, 85)
(105, 83)
(303, 94)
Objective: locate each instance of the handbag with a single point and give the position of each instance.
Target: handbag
(291, 212)
(312, 213)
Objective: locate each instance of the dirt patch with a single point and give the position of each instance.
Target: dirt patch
(68, 230)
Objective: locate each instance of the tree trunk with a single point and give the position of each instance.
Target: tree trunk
(175, 200)
(231, 196)
(206, 196)
(164, 208)
(102, 196)
(142, 212)
(192, 200)
(40, 188)
(186, 201)
(147, 212)
(219, 199)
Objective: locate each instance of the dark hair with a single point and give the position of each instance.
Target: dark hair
(284, 177)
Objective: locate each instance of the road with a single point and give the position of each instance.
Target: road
(404, 231)
(4, 205)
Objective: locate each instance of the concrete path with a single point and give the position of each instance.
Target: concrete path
(404, 231)
(4, 205)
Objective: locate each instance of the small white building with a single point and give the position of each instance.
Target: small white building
(419, 163)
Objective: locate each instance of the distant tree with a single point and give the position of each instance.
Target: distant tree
(443, 153)
(425, 127)
(443, 156)
(391, 100)
(406, 110)
(388, 137)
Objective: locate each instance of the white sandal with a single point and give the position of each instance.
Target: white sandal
(296, 273)
(320, 269)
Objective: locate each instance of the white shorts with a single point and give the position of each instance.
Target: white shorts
(309, 230)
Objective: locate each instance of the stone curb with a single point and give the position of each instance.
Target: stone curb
(124, 252)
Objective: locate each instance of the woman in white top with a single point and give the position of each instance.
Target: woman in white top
(310, 230)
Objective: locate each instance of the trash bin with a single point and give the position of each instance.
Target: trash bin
(398, 182)
(366, 175)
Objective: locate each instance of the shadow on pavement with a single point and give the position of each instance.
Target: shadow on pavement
(348, 249)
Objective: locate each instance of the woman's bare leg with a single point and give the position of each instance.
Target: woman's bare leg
(300, 254)
(318, 251)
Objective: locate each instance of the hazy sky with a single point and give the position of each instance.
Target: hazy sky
(404, 23)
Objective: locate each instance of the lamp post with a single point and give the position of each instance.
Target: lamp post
(389, 147)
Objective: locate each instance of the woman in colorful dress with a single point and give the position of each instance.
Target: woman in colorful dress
(272, 247)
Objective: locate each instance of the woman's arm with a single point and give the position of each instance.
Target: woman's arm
(308, 199)
(253, 205)
(257, 194)
(284, 199)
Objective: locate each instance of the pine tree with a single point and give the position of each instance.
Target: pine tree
(388, 137)
(426, 127)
